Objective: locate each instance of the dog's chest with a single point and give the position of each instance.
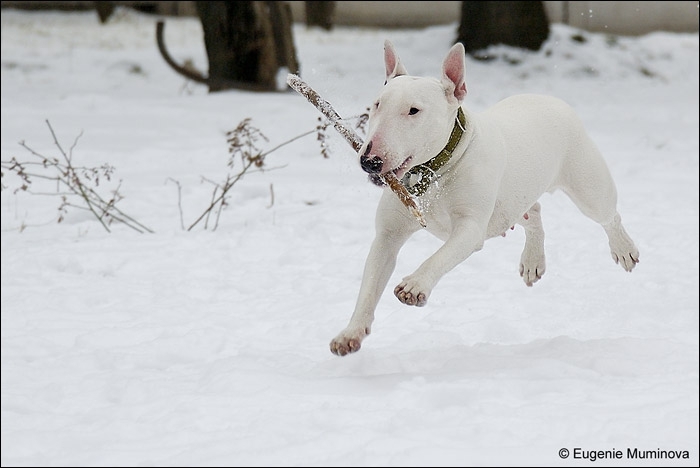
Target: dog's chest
(438, 218)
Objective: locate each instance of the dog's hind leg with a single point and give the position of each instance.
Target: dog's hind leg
(590, 186)
(532, 263)
(622, 248)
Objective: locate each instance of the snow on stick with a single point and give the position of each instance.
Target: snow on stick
(354, 139)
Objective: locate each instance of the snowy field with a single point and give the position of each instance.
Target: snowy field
(211, 346)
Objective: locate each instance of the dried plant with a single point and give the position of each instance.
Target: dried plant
(243, 144)
(245, 155)
(76, 186)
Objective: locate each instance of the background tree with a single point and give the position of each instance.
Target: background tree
(246, 42)
(513, 23)
(320, 14)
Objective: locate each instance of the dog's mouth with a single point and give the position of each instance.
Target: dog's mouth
(403, 167)
(378, 180)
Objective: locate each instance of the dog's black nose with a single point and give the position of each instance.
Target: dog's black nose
(371, 165)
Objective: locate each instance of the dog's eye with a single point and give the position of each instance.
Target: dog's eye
(413, 111)
(376, 104)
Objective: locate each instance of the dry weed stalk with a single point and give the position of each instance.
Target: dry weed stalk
(75, 185)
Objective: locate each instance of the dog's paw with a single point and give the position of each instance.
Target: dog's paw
(411, 293)
(627, 260)
(622, 248)
(532, 267)
(348, 341)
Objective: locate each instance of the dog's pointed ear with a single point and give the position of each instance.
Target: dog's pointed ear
(392, 62)
(453, 73)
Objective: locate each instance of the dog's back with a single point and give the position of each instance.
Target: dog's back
(545, 147)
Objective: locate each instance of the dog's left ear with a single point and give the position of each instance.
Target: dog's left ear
(453, 73)
(392, 62)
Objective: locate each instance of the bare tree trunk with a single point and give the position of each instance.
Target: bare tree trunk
(239, 44)
(104, 10)
(320, 14)
(514, 23)
(281, 19)
(247, 43)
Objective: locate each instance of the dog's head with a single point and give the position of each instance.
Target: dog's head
(411, 120)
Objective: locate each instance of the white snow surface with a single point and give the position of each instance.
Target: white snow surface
(209, 347)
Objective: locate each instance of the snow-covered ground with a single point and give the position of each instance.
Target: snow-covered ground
(210, 347)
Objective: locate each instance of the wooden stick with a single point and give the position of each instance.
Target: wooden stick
(355, 141)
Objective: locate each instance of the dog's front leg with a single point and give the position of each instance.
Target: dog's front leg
(466, 237)
(378, 268)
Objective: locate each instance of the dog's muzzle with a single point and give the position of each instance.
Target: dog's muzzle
(371, 165)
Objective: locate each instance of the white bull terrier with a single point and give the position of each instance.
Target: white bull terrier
(478, 175)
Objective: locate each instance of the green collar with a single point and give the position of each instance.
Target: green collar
(418, 178)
